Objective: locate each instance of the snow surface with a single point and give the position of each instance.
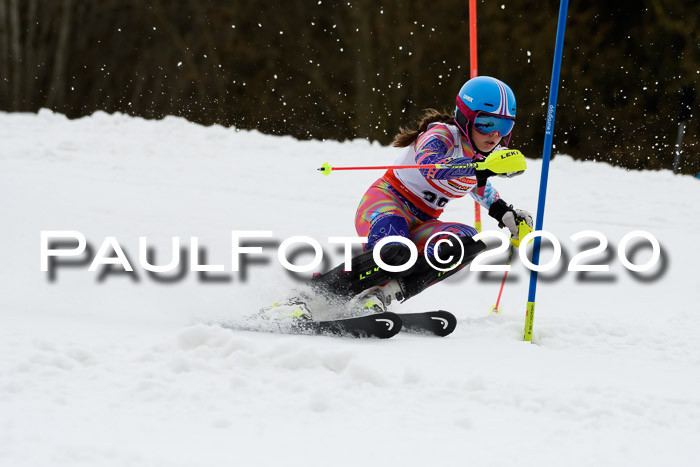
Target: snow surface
(124, 372)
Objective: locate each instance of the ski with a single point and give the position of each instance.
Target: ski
(380, 325)
(440, 323)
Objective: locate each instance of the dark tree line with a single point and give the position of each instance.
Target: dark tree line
(362, 68)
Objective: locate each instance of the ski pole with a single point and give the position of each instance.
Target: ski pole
(326, 169)
(495, 309)
(506, 162)
(523, 231)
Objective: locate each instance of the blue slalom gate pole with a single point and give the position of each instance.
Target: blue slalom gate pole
(546, 155)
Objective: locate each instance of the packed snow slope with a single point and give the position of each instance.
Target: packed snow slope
(108, 369)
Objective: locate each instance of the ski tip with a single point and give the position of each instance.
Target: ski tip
(388, 322)
(439, 323)
(444, 322)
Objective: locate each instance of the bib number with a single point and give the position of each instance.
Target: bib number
(431, 197)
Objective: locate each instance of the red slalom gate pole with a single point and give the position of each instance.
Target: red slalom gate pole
(473, 73)
(472, 38)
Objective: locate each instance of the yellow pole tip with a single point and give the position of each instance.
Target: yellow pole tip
(325, 169)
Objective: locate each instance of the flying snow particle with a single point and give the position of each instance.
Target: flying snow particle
(179, 64)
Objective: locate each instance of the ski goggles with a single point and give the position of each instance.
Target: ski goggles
(487, 123)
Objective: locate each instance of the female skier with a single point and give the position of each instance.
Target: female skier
(408, 202)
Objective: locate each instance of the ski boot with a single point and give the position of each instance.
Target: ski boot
(295, 308)
(376, 299)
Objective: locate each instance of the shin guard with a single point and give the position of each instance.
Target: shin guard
(423, 275)
(365, 273)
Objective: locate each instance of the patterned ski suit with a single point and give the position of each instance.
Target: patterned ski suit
(408, 202)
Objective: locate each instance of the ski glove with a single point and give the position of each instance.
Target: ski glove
(511, 218)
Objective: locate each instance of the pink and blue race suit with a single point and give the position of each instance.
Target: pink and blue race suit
(408, 202)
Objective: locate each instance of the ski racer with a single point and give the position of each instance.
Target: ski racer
(409, 202)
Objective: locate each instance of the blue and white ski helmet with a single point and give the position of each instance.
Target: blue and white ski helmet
(484, 94)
